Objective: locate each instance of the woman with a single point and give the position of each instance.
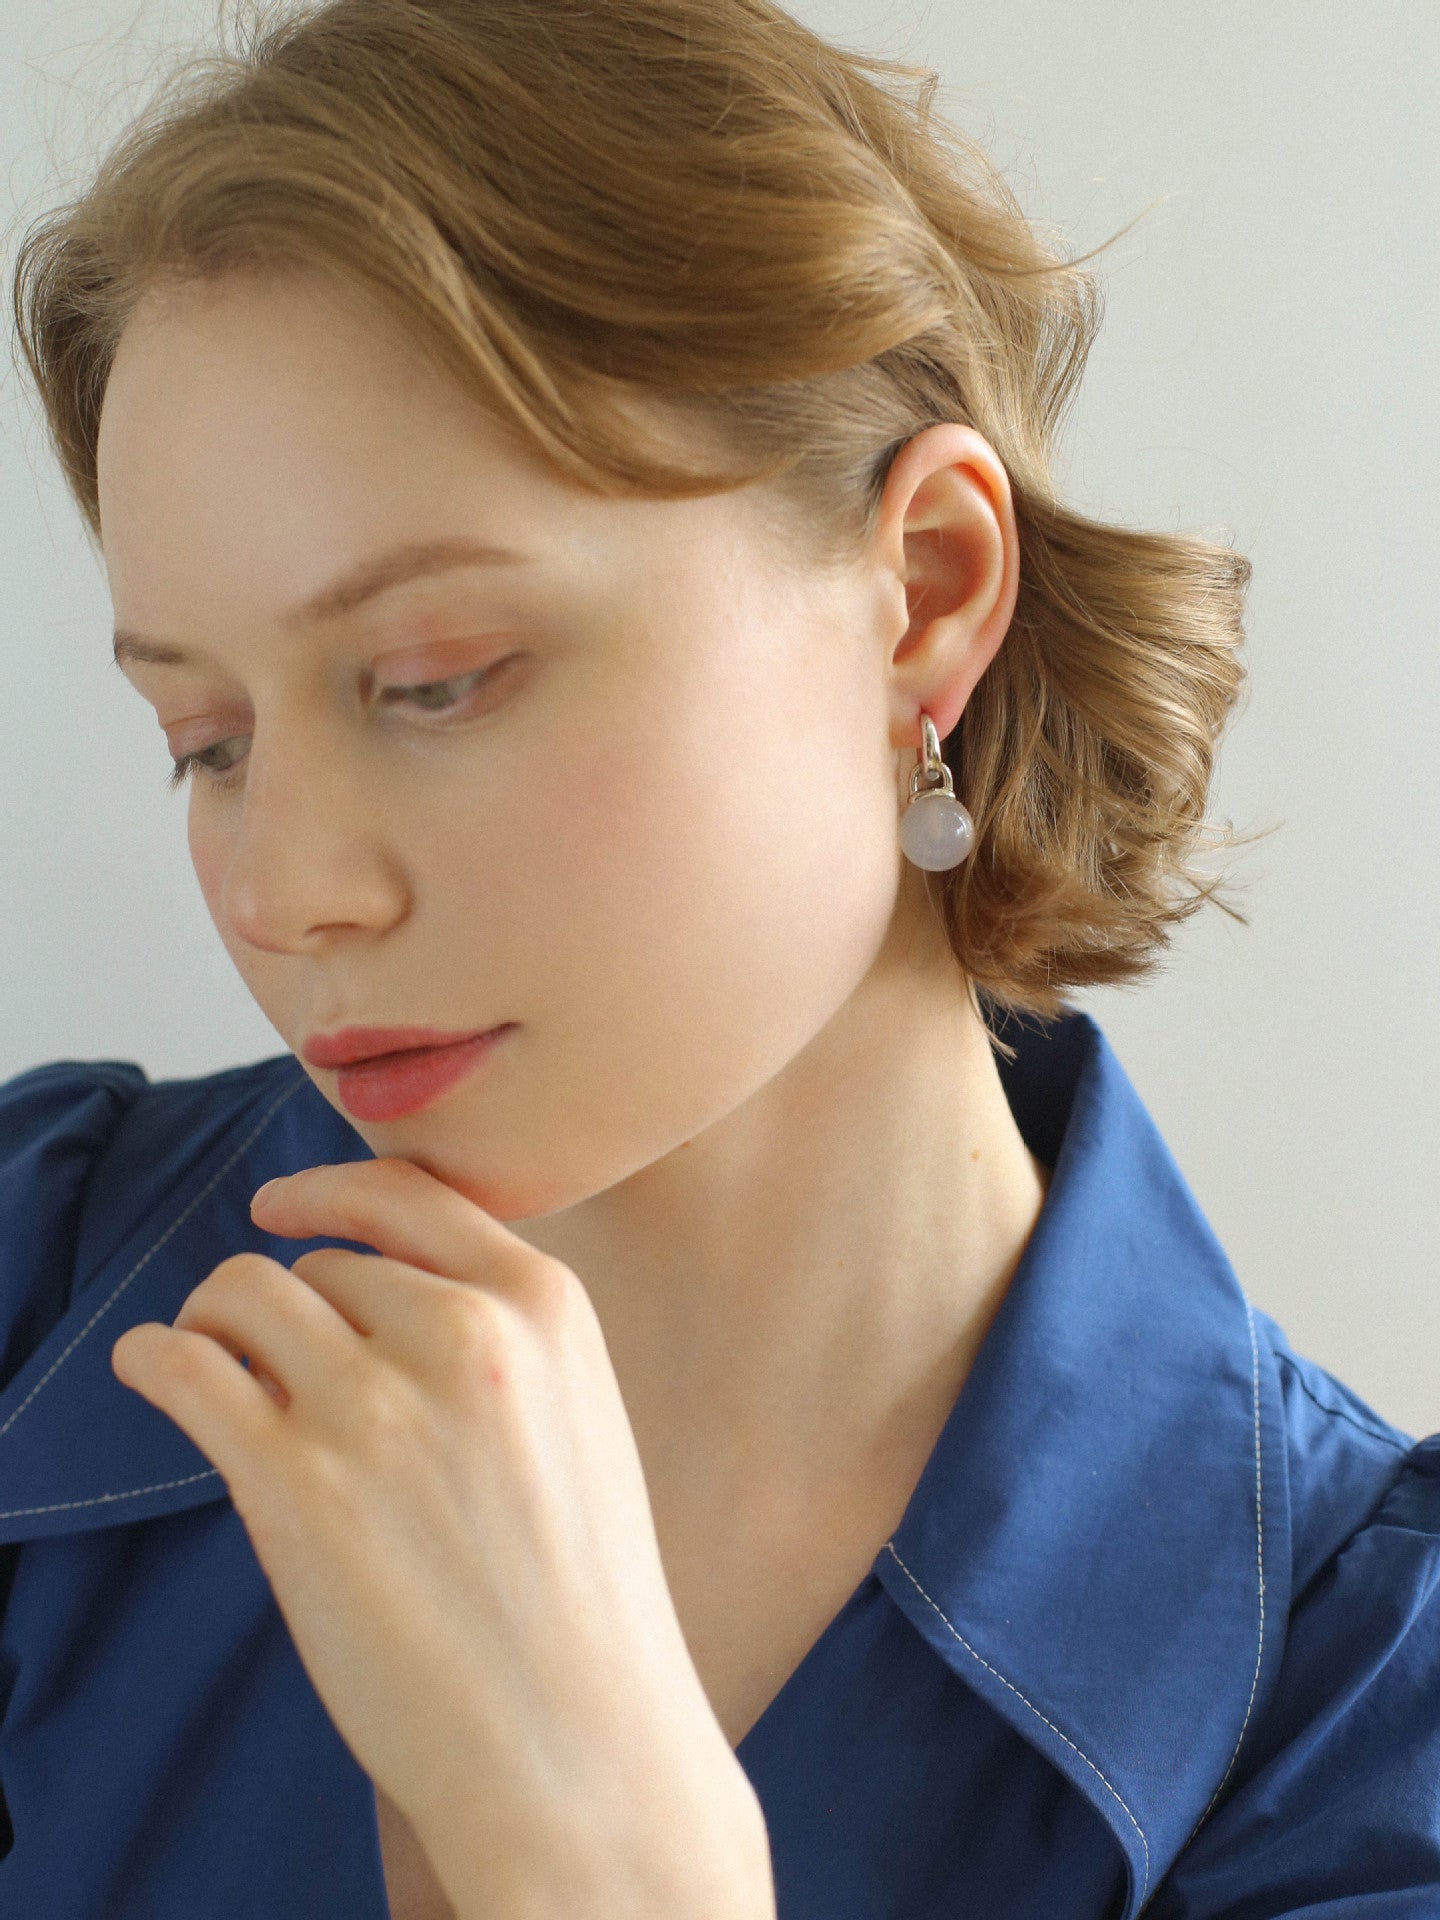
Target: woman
(758, 1424)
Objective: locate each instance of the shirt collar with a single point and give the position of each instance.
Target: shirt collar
(78, 1448)
(1097, 1539)
(1101, 1532)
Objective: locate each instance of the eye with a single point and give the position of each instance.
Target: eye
(442, 696)
(217, 763)
(221, 761)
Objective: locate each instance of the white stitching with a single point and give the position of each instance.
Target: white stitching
(63, 1506)
(890, 1548)
(135, 1492)
(1260, 1563)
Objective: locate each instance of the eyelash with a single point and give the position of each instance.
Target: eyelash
(189, 763)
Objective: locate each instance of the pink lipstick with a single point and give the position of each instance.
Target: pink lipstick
(387, 1073)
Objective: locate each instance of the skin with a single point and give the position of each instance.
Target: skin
(749, 1101)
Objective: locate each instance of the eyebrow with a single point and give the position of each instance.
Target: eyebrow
(375, 576)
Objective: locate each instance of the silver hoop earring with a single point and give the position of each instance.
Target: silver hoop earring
(936, 832)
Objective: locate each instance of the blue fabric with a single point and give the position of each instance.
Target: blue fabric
(1159, 1628)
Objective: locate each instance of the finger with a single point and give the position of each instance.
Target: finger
(413, 1315)
(405, 1212)
(271, 1385)
(252, 1305)
(225, 1411)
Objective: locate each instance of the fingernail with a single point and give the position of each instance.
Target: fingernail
(266, 1188)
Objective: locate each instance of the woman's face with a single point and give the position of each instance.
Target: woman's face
(660, 836)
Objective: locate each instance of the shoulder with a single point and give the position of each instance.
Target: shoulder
(87, 1148)
(1342, 1457)
(1335, 1791)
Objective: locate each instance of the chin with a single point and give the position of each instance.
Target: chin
(503, 1198)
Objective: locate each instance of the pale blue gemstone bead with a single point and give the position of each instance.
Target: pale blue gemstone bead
(936, 831)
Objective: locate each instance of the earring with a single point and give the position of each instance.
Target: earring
(935, 830)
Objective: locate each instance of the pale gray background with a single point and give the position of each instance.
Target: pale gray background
(1267, 369)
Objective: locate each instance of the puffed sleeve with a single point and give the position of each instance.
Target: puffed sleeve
(55, 1122)
(1337, 1807)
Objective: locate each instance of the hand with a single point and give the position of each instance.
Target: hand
(434, 1464)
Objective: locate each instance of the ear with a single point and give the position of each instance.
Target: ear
(949, 554)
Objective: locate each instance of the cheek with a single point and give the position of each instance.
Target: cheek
(700, 909)
(208, 856)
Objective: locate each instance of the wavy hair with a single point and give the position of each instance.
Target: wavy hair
(702, 201)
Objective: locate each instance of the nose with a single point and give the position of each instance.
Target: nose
(307, 848)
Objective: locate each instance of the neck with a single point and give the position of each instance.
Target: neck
(814, 1274)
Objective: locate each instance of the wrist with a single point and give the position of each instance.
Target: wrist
(714, 1868)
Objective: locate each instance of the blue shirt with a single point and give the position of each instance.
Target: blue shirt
(1159, 1628)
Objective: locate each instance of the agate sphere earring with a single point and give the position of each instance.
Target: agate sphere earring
(936, 832)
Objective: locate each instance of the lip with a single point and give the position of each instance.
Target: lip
(349, 1044)
(392, 1085)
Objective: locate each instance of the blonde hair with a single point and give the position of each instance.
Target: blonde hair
(702, 202)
